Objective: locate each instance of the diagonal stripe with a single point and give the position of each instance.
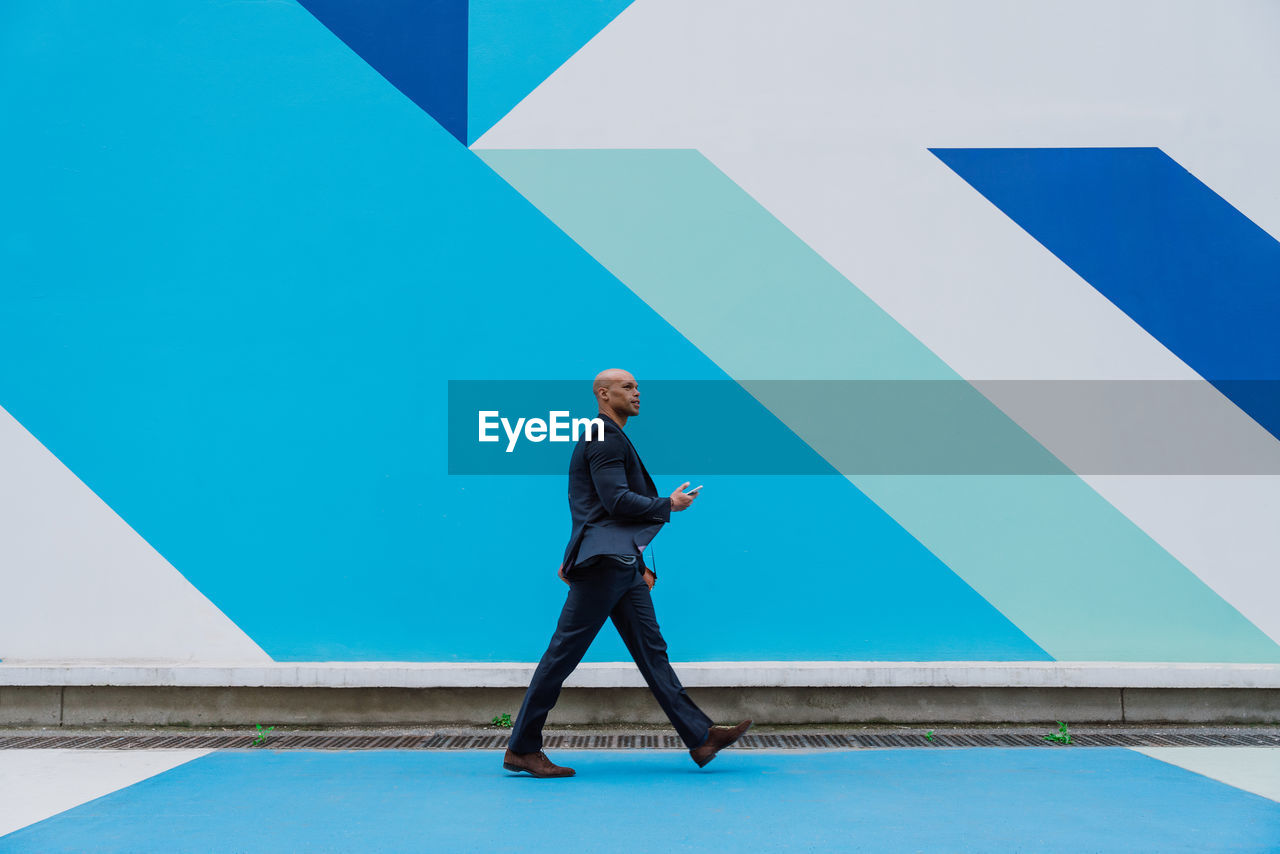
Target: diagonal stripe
(1172, 254)
(1048, 552)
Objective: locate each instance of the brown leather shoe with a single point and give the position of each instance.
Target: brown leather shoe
(536, 764)
(720, 738)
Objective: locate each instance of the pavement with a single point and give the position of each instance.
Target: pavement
(266, 799)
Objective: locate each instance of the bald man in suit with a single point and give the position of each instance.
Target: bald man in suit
(616, 513)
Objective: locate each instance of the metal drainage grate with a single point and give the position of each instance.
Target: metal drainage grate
(561, 741)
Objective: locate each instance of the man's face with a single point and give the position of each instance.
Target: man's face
(623, 395)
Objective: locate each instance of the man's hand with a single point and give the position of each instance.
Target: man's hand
(565, 580)
(681, 499)
(650, 579)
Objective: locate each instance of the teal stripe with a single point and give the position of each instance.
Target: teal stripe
(1047, 551)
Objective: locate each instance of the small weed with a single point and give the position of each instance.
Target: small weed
(1061, 736)
(929, 735)
(262, 735)
(502, 720)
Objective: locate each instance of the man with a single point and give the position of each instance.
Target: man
(616, 513)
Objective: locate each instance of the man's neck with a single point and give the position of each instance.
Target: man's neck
(620, 420)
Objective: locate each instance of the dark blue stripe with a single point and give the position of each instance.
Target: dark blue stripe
(1167, 250)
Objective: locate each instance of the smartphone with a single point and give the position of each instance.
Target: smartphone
(695, 489)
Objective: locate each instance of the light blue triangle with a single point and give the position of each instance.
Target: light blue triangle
(516, 44)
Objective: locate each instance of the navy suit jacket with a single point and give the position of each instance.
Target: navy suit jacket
(616, 508)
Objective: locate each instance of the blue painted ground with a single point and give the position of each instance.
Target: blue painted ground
(1050, 799)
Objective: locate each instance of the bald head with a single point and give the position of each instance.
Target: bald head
(609, 377)
(617, 393)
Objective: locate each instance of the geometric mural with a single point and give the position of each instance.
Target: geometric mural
(248, 248)
(670, 225)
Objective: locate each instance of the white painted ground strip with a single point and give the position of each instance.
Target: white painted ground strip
(1252, 769)
(36, 784)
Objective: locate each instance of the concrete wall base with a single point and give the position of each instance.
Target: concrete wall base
(82, 705)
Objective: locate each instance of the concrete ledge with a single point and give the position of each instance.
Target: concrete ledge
(245, 706)
(175, 693)
(1211, 705)
(710, 674)
(39, 705)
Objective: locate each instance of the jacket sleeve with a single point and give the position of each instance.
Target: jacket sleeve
(609, 475)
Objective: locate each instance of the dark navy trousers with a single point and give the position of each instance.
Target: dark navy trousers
(607, 588)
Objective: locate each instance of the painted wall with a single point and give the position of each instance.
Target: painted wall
(246, 248)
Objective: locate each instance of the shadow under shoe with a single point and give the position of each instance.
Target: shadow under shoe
(535, 763)
(719, 738)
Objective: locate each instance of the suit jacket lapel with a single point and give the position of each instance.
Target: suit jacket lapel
(610, 423)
